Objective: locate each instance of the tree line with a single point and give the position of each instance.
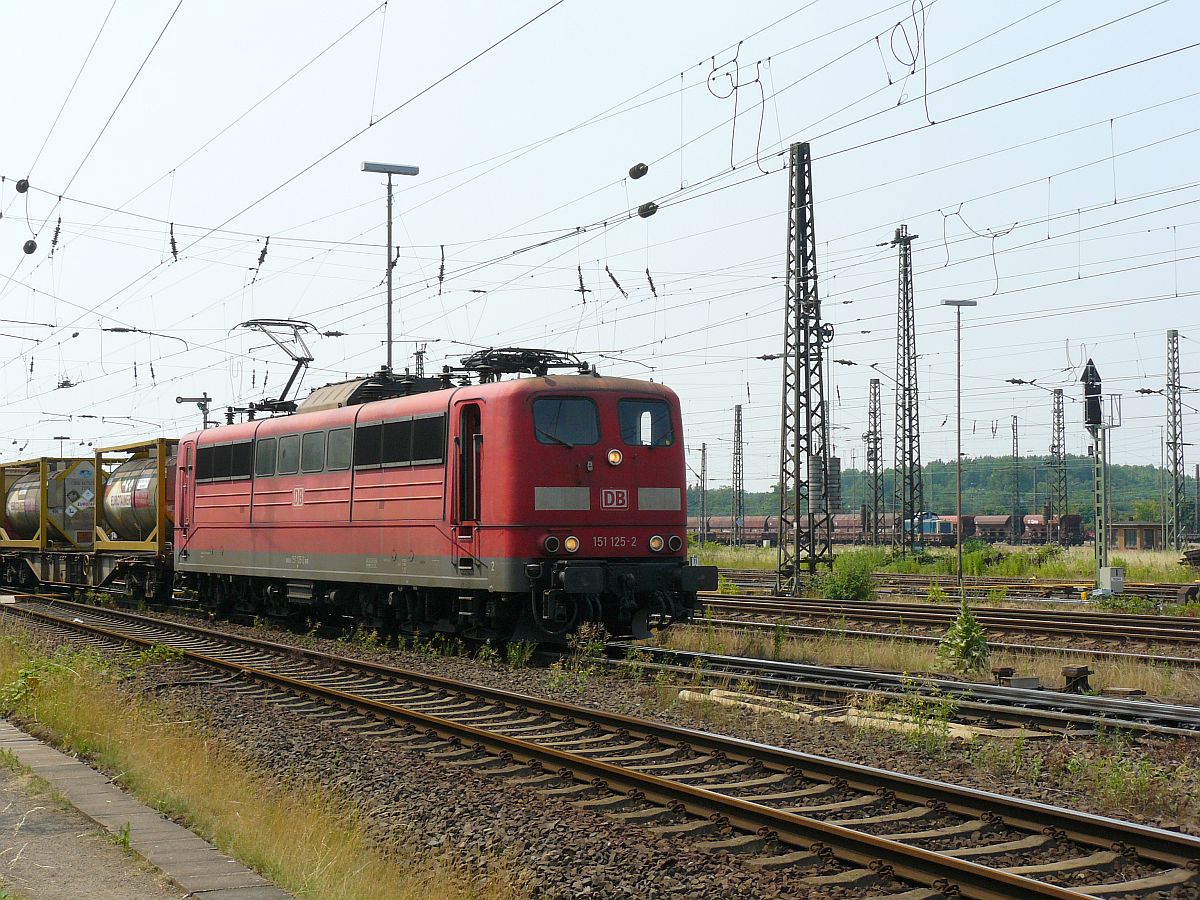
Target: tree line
(987, 485)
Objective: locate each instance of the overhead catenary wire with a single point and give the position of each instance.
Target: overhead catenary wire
(643, 288)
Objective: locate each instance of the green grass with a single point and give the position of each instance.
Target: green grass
(711, 554)
(997, 560)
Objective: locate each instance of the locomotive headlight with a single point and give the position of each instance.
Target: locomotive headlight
(674, 542)
(551, 544)
(615, 457)
(656, 543)
(571, 544)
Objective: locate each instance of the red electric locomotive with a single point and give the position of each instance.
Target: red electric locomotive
(496, 510)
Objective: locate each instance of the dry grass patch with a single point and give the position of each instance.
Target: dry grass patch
(299, 835)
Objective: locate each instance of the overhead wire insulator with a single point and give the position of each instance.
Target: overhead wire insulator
(638, 171)
(30, 246)
(583, 291)
(647, 209)
(22, 185)
(653, 290)
(613, 279)
(442, 270)
(174, 246)
(262, 255)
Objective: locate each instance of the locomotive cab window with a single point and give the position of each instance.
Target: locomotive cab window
(570, 421)
(645, 423)
(289, 455)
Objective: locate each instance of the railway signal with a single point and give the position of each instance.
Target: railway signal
(1108, 580)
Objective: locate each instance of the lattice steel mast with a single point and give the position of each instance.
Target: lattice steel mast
(1174, 536)
(874, 441)
(1058, 463)
(909, 499)
(739, 484)
(703, 530)
(805, 524)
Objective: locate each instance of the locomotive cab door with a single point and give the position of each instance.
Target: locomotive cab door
(470, 451)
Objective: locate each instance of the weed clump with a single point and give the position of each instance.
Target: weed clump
(518, 653)
(965, 645)
(585, 659)
(850, 578)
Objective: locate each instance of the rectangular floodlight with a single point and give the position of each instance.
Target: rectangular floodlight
(959, 303)
(390, 168)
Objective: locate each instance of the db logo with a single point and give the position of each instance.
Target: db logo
(614, 498)
(297, 496)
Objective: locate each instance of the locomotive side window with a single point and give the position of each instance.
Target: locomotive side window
(241, 455)
(428, 440)
(397, 443)
(645, 423)
(312, 452)
(204, 464)
(289, 455)
(264, 458)
(224, 461)
(565, 420)
(368, 440)
(337, 452)
(221, 455)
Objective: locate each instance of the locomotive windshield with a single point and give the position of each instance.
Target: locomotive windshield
(565, 420)
(645, 423)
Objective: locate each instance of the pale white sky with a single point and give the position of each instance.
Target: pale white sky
(1097, 181)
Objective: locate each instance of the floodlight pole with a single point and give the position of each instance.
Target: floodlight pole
(958, 308)
(389, 169)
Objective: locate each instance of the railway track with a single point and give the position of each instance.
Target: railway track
(840, 631)
(851, 830)
(975, 704)
(1123, 628)
(763, 580)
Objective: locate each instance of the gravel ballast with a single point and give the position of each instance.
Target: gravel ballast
(555, 849)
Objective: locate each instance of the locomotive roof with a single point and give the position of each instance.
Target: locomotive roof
(432, 399)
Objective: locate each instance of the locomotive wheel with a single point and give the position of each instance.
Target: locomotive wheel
(640, 624)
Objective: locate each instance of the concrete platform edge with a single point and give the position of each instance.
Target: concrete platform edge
(151, 835)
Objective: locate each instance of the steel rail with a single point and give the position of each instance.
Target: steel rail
(1160, 629)
(881, 855)
(1155, 659)
(1174, 591)
(1150, 843)
(1016, 706)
